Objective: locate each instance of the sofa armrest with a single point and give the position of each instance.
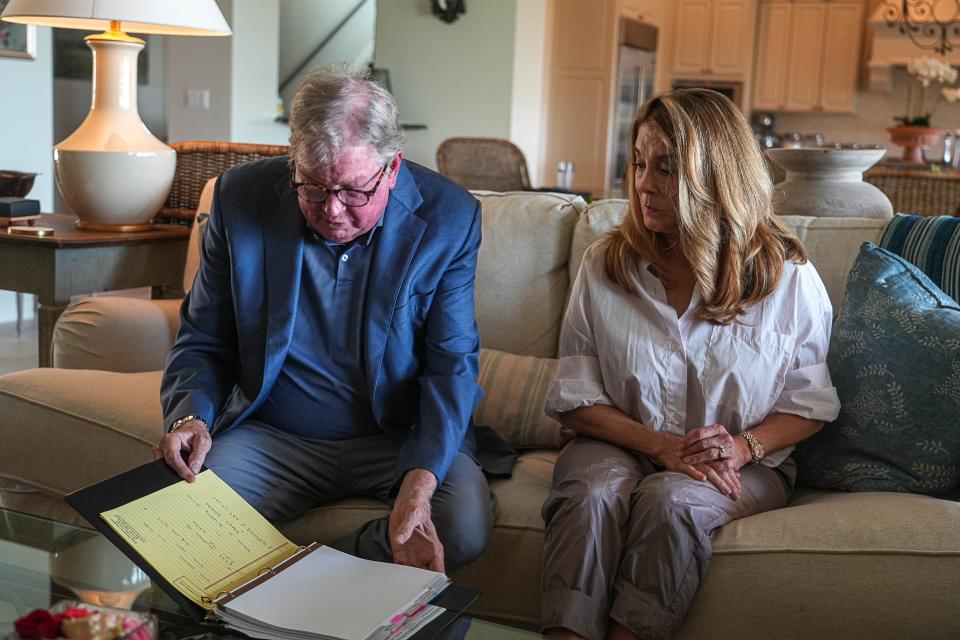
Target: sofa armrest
(112, 333)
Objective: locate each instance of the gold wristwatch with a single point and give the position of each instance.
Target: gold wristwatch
(756, 447)
(179, 422)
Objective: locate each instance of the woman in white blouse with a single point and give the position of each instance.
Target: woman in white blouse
(692, 358)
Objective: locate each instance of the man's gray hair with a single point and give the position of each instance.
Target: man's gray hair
(336, 108)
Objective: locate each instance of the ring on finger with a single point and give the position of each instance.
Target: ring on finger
(720, 452)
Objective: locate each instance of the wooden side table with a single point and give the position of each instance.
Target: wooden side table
(73, 262)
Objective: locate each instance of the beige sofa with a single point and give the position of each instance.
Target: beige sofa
(876, 565)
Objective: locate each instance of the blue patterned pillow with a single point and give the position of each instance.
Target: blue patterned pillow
(931, 243)
(895, 361)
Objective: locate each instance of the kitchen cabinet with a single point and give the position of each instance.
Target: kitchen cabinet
(841, 56)
(581, 64)
(807, 55)
(649, 11)
(712, 38)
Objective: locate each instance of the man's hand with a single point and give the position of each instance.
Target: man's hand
(413, 538)
(192, 437)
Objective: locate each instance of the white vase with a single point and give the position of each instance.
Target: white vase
(112, 171)
(828, 182)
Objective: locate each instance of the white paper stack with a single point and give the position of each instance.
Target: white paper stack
(331, 595)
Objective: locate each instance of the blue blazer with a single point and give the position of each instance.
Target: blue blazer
(420, 335)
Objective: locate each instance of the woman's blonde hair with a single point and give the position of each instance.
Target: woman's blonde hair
(728, 232)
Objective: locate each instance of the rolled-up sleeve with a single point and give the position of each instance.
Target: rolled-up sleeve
(808, 391)
(579, 378)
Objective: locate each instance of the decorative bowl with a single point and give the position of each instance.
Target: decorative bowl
(15, 184)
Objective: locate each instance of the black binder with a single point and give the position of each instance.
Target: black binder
(140, 481)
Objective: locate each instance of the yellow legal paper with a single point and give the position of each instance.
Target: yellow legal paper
(202, 536)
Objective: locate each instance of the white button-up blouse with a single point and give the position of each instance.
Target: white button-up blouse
(631, 351)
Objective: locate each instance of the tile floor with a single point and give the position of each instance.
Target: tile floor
(18, 353)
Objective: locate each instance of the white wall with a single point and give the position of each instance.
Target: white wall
(305, 24)
(27, 109)
(527, 101)
(199, 63)
(239, 71)
(255, 73)
(455, 78)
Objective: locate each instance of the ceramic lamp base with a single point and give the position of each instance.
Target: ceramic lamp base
(123, 228)
(112, 171)
(114, 190)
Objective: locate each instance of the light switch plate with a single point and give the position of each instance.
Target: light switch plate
(196, 99)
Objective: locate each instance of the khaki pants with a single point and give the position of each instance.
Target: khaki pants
(628, 541)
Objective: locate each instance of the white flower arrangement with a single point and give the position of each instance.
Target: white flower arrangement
(925, 71)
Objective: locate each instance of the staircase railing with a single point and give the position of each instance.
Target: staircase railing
(313, 54)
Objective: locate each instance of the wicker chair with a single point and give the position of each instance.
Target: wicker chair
(483, 163)
(197, 162)
(918, 191)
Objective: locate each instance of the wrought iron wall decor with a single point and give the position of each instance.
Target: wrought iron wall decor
(448, 10)
(933, 25)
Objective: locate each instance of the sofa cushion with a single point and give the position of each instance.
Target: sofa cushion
(522, 280)
(831, 243)
(931, 243)
(514, 390)
(63, 429)
(115, 333)
(600, 217)
(895, 360)
(836, 554)
(836, 565)
(196, 234)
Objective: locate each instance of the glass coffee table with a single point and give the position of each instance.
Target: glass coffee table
(43, 562)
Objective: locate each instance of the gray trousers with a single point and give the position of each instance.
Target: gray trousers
(627, 541)
(283, 476)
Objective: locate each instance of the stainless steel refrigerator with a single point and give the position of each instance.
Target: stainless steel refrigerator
(635, 74)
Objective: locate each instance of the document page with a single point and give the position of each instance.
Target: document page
(329, 593)
(202, 536)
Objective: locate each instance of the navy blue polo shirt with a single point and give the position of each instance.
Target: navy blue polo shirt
(321, 391)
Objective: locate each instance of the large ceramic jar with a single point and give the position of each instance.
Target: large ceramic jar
(828, 182)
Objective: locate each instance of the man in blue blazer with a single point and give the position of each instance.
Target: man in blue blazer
(328, 347)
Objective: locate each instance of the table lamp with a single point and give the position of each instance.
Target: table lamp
(98, 573)
(112, 171)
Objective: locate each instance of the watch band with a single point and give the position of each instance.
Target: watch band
(179, 422)
(756, 447)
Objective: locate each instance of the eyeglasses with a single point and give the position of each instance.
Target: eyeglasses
(318, 194)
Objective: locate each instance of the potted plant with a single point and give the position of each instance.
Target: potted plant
(914, 132)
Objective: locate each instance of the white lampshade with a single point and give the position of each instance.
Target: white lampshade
(160, 17)
(112, 171)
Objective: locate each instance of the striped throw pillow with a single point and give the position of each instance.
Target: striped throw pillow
(515, 389)
(931, 243)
